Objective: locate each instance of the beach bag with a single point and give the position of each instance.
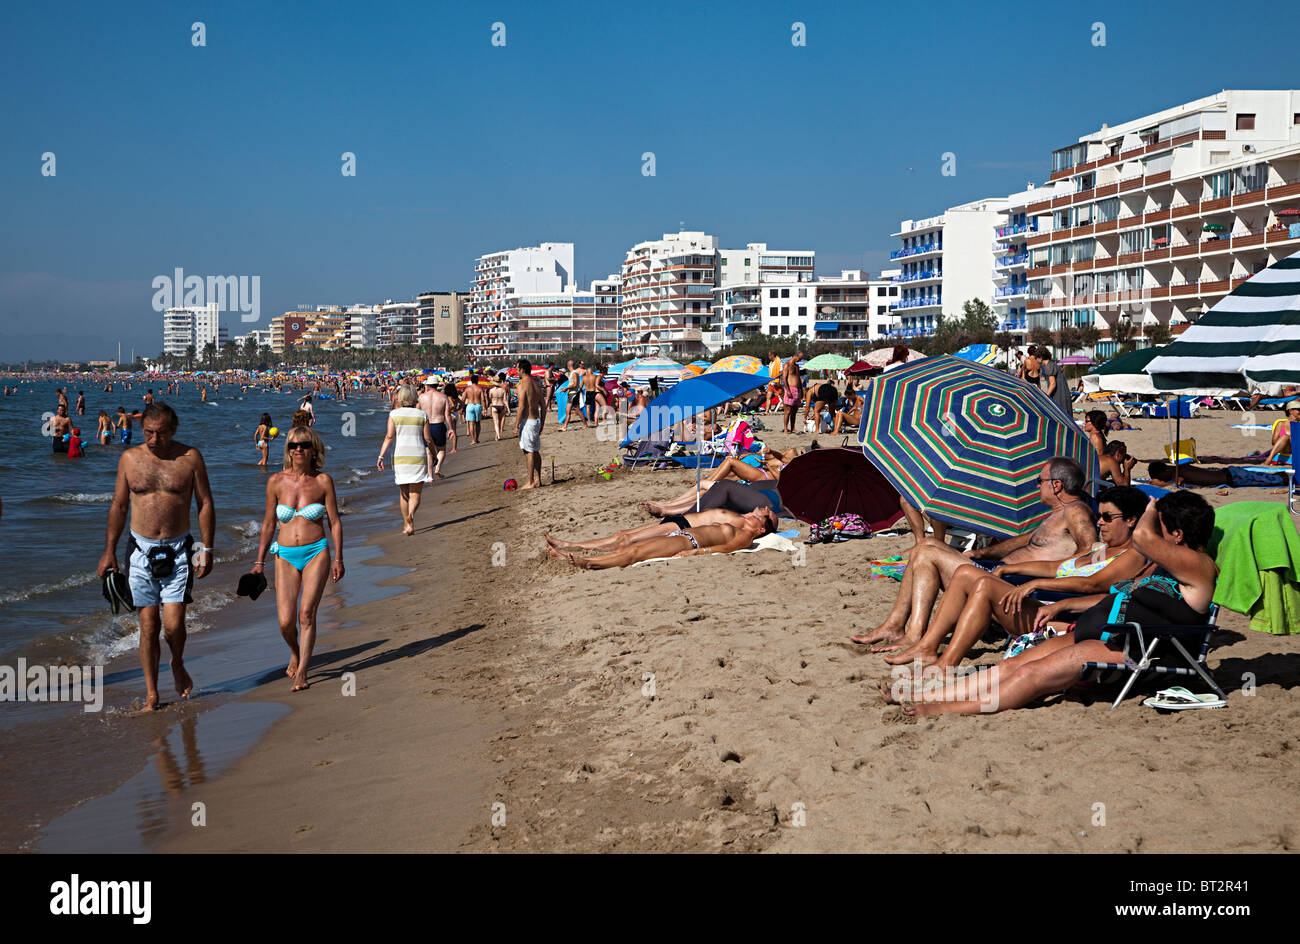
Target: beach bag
(838, 528)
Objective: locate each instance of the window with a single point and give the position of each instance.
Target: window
(1108, 210)
(1295, 119)
(785, 329)
(724, 260)
(881, 290)
(772, 329)
(1220, 185)
(785, 312)
(771, 293)
(1085, 182)
(785, 293)
(771, 312)
(747, 261)
(882, 309)
(803, 293)
(1245, 122)
(893, 290)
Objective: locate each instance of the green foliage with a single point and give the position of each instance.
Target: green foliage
(976, 325)
(1158, 334)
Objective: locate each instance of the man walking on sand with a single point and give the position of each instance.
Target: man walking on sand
(437, 407)
(574, 406)
(528, 423)
(156, 482)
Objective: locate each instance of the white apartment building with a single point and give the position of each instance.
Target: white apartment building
(363, 323)
(327, 329)
(198, 326)
(1158, 218)
(853, 307)
(548, 324)
(397, 323)
(946, 261)
(500, 278)
(1011, 262)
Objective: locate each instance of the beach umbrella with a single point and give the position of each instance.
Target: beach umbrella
(965, 442)
(692, 370)
(687, 399)
(640, 372)
(979, 353)
(1213, 228)
(616, 370)
(883, 356)
(1074, 360)
(737, 364)
(703, 365)
(1249, 340)
(862, 368)
(838, 481)
(1123, 374)
(1289, 211)
(828, 362)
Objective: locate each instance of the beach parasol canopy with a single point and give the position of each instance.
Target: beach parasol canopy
(862, 368)
(838, 481)
(883, 356)
(979, 353)
(1249, 340)
(737, 364)
(1074, 360)
(1123, 374)
(965, 442)
(828, 362)
(640, 371)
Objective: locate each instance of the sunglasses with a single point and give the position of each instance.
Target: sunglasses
(294, 446)
(1108, 517)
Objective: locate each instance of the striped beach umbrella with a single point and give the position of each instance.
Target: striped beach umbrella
(737, 364)
(828, 362)
(965, 442)
(979, 353)
(640, 371)
(1250, 339)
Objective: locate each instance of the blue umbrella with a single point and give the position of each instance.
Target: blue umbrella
(979, 353)
(689, 398)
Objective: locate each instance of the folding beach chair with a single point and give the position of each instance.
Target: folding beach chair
(1230, 403)
(1178, 662)
(1287, 470)
(1182, 452)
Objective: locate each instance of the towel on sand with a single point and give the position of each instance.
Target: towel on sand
(768, 542)
(1258, 552)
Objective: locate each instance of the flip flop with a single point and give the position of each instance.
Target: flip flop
(117, 591)
(1180, 699)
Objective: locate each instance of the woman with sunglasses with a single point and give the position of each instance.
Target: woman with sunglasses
(302, 498)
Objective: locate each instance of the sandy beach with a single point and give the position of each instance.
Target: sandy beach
(508, 708)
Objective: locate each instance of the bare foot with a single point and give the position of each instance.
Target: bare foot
(913, 653)
(524, 488)
(654, 509)
(292, 670)
(878, 635)
(184, 684)
(300, 683)
(151, 703)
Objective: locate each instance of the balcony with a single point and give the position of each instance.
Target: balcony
(919, 276)
(1004, 231)
(1011, 291)
(1007, 262)
(916, 250)
(925, 301)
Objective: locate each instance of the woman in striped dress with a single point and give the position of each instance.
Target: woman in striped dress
(412, 453)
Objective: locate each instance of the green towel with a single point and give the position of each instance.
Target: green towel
(1257, 549)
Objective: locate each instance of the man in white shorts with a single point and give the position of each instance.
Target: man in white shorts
(528, 423)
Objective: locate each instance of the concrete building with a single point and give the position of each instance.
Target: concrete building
(327, 329)
(491, 318)
(668, 295)
(946, 260)
(397, 324)
(1157, 218)
(441, 318)
(198, 326)
(852, 307)
(362, 322)
(287, 329)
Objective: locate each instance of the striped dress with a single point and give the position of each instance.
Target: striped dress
(409, 463)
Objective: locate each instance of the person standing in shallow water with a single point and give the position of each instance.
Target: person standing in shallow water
(156, 482)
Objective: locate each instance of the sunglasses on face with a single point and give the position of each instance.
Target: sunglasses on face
(294, 446)
(1108, 517)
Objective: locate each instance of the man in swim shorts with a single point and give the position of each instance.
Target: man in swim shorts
(474, 401)
(666, 527)
(437, 407)
(529, 420)
(682, 542)
(156, 482)
(60, 428)
(791, 392)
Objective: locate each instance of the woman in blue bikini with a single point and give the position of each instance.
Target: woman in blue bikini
(302, 498)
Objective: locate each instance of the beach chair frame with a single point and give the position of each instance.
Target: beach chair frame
(1148, 639)
(1288, 471)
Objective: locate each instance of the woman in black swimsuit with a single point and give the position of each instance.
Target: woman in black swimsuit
(1174, 588)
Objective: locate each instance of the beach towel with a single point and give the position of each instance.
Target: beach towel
(888, 568)
(779, 541)
(1257, 549)
(838, 528)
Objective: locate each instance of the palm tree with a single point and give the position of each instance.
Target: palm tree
(189, 357)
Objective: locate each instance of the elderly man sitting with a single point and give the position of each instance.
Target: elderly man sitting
(1068, 531)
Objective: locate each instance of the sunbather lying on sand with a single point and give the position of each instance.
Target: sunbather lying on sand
(734, 496)
(1174, 588)
(976, 598)
(646, 532)
(1067, 532)
(1162, 474)
(683, 542)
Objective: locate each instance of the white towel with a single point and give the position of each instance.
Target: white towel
(768, 542)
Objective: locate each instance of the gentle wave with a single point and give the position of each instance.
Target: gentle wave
(71, 582)
(74, 498)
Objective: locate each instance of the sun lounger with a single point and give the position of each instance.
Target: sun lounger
(1146, 639)
(1288, 470)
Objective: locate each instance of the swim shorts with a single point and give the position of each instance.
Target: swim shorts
(677, 521)
(438, 433)
(473, 412)
(147, 590)
(530, 436)
(793, 396)
(591, 403)
(126, 437)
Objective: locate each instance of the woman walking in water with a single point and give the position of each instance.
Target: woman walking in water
(262, 438)
(105, 433)
(302, 498)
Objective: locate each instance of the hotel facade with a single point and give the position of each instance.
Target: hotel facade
(1158, 218)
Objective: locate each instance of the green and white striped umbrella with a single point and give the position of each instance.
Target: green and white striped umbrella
(1250, 339)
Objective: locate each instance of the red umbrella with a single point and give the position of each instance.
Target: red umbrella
(861, 368)
(1289, 211)
(838, 481)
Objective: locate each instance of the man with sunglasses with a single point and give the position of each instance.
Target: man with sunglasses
(156, 481)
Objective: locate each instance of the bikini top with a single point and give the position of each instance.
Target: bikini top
(313, 512)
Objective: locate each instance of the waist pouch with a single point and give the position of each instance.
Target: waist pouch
(162, 557)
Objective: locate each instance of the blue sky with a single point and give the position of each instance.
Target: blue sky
(226, 159)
